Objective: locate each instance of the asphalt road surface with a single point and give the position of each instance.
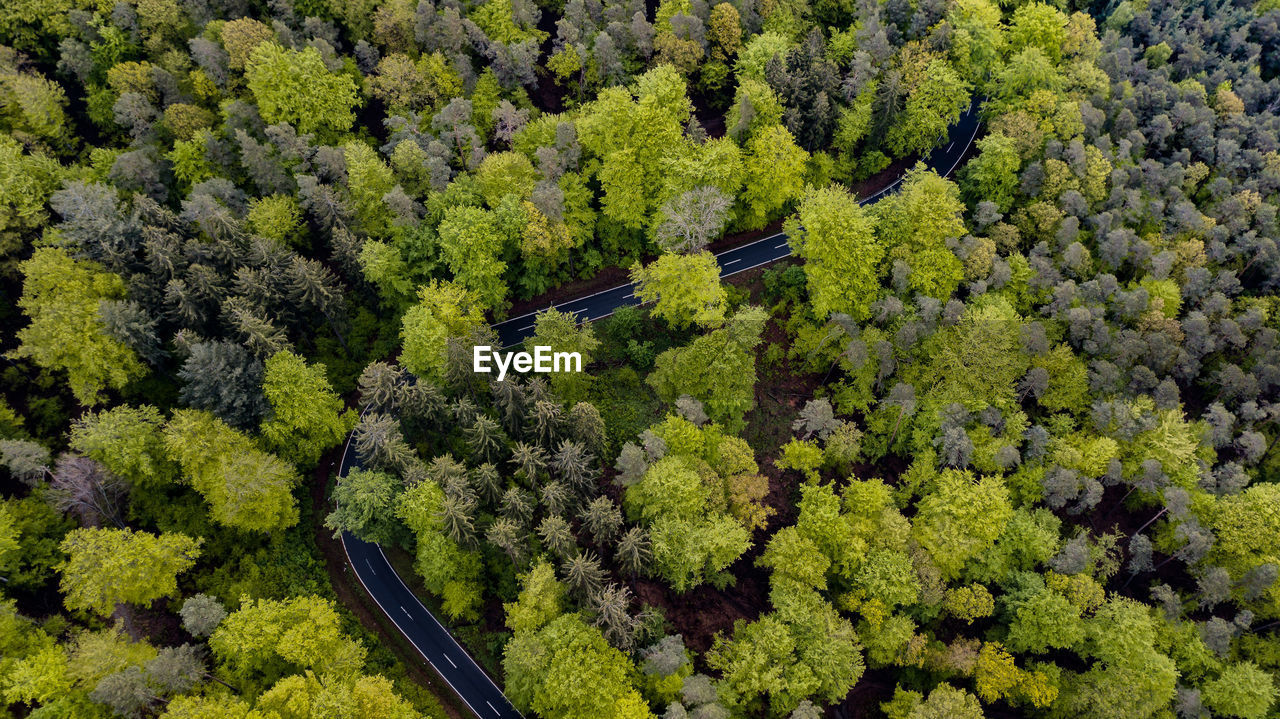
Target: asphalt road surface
(942, 160)
(476, 688)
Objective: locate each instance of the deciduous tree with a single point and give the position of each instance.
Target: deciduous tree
(294, 86)
(60, 296)
(566, 669)
(444, 310)
(271, 637)
(836, 238)
(106, 567)
(307, 417)
(128, 441)
(246, 488)
(717, 368)
(686, 288)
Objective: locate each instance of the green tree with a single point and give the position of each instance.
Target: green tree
(562, 333)
(505, 173)
(758, 51)
(277, 218)
(801, 455)
(294, 86)
(993, 175)
(975, 363)
(1130, 678)
(633, 136)
(444, 310)
(755, 107)
(624, 190)
(1246, 527)
(10, 533)
(307, 416)
(541, 599)
(26, 182)
(471, 244)
(341, 695)
(686, 288)
(38, 529)
(61, 296)
(811, 654)
(979, 41)
(567, 670)
(273, 637)
(448, 570)
(41, 678)
(365, 504)
(775, 171)
(209, 706)
(1041, 26)
(793, 558)
(1242, 690)
(246, 488)
(669, 487)
(960, 517)
(692, 539)
(128, 441)
(936, 98)
(943, 702)
(717, 368)
(915, 224)
(836, 238)
(1044, 620)
(106, 567)
(690, 552)
(368, 181)
(33, 108)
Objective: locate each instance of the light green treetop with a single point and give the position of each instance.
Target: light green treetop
(106, 567)
(294, 86)
(307, 416)
(836, 238)
(61, 296)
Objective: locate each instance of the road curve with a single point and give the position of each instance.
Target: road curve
(436, 645)
(943, 160)
(455, 666)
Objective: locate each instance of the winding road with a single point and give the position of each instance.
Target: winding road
(942, 160)
(455, 666)
(437, 646)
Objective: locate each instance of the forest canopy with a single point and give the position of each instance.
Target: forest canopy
(996, 437)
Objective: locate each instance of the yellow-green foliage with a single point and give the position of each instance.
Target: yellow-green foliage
(60, 296)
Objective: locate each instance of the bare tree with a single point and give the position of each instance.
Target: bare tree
(817, 417)
(85, 488)
(692, 219)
